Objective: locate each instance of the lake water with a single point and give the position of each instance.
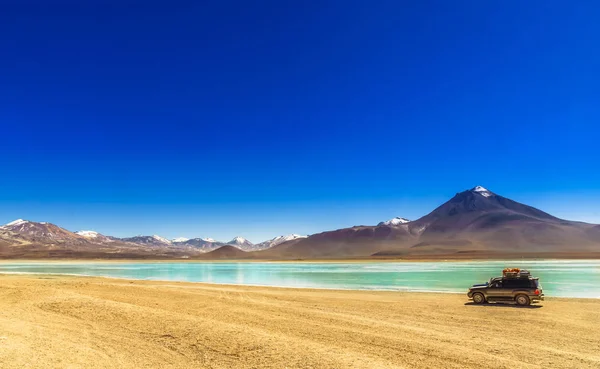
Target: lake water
(564, 278)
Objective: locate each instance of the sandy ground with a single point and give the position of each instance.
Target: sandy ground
(77, 322)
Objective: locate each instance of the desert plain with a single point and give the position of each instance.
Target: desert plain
(51, 321)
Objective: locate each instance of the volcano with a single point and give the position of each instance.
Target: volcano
(473, 221)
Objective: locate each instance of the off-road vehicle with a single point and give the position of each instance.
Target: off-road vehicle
(515, 285)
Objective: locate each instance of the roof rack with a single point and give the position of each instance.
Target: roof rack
(515, 273)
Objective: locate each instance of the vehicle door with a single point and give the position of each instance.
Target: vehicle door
(496, 291)
(520, 286)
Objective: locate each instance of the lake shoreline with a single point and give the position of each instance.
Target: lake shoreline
(381, 259)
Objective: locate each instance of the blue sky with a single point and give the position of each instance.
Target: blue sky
(266, 118)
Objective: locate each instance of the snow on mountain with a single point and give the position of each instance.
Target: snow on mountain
(41, 232)
(161, 239)
(239, 241)
(280, 239)
(394, 222)
(482, 191)
(180, 239)
(276, 241)
(16, 222)
(148, 240)
(87, 234)
(95, 237)
(200, 244)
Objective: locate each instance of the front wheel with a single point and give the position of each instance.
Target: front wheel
(478, 298)
(522, 300)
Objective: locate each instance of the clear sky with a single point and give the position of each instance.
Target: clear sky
(260, 118)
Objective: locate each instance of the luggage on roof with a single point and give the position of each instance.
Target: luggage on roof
(515, 273)
(510, 272)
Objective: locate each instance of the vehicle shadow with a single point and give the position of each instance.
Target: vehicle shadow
(504, 305)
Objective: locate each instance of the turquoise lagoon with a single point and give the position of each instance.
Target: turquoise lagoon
(561, 278)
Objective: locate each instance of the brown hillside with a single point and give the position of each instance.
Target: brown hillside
(226, 252)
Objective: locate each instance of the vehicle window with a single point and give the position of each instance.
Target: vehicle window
(517, 283)
(509, 283)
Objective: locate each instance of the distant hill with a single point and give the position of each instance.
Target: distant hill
(358, 241)
(226, 252)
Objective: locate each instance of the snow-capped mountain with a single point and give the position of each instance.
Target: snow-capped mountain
(276, 241)
(40, 232)
(195, 241)
(394, 222)
(88, 234)
(180, 240)
(241, 243)
(94, 236)
(482, 191)
(148, 240)
(209, 244)
(473, 221)
(199, 244)
(15, 223)
(161, 239)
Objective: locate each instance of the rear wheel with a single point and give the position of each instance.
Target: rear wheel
(478, 298)
(522, 300)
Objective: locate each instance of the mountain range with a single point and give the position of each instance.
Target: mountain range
(23, 238)
(475, 222)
